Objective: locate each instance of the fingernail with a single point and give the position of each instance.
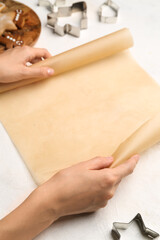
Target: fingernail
(50, 71)
(136, 157)
(109, 158)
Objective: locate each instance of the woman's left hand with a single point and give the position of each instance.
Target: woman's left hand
(13, 64)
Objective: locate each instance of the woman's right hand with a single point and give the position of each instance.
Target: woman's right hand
(84, 187)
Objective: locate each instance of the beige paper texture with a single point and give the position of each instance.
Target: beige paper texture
(90, 110)
(81, 56)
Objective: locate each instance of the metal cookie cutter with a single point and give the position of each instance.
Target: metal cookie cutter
(49, 5)
(45, 3)
(65, 11)
(108, 19)
(138, 219)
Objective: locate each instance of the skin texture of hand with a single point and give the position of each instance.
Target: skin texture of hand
(84, 187)
(13, 64)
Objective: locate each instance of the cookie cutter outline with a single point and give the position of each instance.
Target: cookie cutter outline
(108, 19)
(49, 5)
(66, 11)
(45, 3)
(138, 219)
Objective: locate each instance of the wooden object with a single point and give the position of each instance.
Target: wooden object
(27, 25)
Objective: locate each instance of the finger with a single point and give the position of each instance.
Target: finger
(35, 60)
(98, 163)
(41, 52)
(126, 168)
(33, 53)
(37, 72)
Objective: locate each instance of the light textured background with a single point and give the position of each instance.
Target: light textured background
(140, 192)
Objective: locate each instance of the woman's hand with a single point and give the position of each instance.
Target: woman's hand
(84, 187)
(13, 64)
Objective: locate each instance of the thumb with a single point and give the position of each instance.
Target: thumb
(98, 163)
(37, 72)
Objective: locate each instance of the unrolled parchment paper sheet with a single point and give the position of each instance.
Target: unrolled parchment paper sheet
(100, 102)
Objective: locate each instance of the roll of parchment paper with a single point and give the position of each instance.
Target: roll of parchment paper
(80, 56)
(100, 102)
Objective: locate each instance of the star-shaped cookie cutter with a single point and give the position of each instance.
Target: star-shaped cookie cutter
(138, 219)
(108, 19)
(59, 10)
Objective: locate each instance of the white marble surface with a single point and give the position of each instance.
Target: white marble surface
(140, 192)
